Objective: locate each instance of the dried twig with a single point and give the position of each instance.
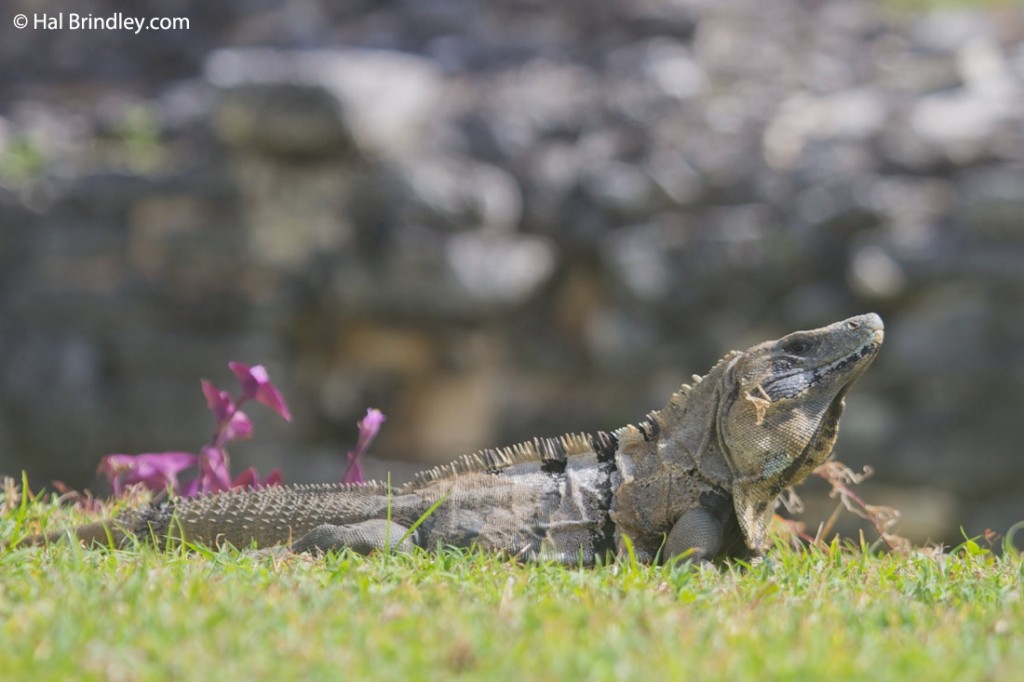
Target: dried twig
(841, 478)
(12, 495)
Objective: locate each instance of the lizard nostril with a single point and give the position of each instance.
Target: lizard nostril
(852, 324)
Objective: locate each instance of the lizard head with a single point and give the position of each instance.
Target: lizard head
(781, 417)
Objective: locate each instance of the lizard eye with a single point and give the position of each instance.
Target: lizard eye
(797, 346)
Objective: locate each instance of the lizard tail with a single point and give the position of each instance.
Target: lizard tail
(99, 533)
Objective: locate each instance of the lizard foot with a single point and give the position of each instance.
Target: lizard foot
(364, 537)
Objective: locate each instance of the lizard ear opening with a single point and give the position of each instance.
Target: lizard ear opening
(754, 510)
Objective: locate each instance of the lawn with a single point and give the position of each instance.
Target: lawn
(819, 614)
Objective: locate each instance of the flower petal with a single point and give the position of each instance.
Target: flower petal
(354, 471)
(250, 478)
(250, 383)
(190, 489)
(256, 385)
(271, 397)
(214, 473)
(273, 478)
(155, 470)
(218, 401)
(369, 427)
(247, 479)
(238, 427)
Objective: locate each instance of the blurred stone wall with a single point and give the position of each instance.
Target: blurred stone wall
(507, 219)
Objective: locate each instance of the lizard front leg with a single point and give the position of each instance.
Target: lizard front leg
(364, 537)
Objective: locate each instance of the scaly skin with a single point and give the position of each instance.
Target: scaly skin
(700, 476)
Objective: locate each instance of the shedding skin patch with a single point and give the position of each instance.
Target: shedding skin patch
(761, 403)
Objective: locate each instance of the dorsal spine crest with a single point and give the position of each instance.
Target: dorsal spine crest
(650, 426)
(537, 450)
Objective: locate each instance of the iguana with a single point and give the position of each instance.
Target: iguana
(700, 476)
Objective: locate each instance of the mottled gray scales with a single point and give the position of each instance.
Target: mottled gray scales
(263, 517)
(698, 477)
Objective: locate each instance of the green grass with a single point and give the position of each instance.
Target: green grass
(71, 613)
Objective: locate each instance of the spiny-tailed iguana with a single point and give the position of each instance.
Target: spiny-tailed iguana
(701, 474)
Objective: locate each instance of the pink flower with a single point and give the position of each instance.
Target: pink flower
(155, 470)
(160, 470)
(273, 478)
(214, 475)
(250, 478)
(256, 386)
(237, 427)
(219, 402)
(232, 423)
(368, 429)
(354, 471)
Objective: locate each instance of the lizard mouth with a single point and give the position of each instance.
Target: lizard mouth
(792, 384)
(868, 350)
